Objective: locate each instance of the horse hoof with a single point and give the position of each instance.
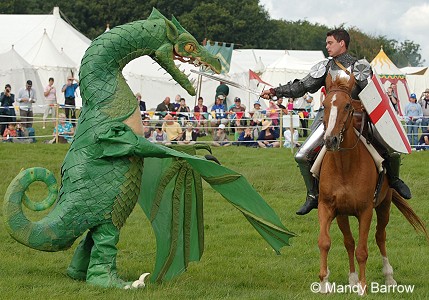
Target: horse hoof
(390, 282)
(325, 287)
(353, 279)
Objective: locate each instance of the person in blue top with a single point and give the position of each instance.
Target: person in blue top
(65, 130)
(413, 115)
(69, 90)
(218, 112)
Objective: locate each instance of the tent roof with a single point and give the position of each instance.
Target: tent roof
(414, 70)
(24, 31)
(44, 53)
(293, 62)
(11, 60)
(384, 66)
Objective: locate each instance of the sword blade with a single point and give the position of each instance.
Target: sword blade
(226, 81)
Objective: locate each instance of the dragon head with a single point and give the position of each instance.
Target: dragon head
(184, 47)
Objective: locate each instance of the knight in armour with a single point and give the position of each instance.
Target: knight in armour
(340, 63)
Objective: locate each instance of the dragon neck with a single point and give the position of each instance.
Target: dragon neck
(103, 87)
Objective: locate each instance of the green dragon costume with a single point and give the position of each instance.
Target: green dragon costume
(103, 176)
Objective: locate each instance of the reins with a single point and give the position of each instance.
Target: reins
(350, 115)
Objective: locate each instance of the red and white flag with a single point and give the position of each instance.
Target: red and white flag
(253, 75)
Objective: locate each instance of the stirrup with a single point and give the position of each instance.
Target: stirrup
(310, 203)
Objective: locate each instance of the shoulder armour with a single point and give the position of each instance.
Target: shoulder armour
(319, 69)
(362, 70)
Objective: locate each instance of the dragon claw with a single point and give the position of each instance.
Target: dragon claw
(138, 284)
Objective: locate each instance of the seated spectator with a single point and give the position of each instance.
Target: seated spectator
(424, 140)
(183, 111)
(201, 116)
(237, 113)
(9, 134)
(158, 136)
(273, 113)
(172, 128)
(246, 138)
(24, 135)
(220, 138)
(218, 112)
(65, 130)
(189, 136)
(147, 129)
(267, 137)
(288, 139)
(257, 114)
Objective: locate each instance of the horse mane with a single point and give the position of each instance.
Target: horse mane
(342, 83)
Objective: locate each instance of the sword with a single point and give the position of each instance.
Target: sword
(231, 83)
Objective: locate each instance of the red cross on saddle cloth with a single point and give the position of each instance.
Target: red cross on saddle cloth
(383, 116)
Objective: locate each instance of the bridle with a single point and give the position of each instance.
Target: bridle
(348, 122)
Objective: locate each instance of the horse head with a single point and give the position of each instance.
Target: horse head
(338, 109)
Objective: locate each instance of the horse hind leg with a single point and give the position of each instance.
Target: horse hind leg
(383, 214)
(349, 244)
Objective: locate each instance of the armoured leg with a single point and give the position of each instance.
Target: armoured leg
(79, 265)
(304, 157)
(392, 163)
(102, 264)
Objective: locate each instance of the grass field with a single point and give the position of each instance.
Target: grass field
(237, 263)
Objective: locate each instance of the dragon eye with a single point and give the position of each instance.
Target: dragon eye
(189, 47)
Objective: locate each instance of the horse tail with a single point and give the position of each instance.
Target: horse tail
(409, 213)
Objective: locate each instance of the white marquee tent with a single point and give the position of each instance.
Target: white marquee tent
(40, 38)
(417, 79)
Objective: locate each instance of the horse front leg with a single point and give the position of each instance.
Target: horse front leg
(349, 244)
(362, 247)
(383, 214)
(326, 216)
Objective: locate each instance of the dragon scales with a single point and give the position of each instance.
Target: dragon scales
(102, 171)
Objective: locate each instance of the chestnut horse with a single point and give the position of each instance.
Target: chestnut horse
(348, 179)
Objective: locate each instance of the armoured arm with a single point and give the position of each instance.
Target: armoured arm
(311, 83)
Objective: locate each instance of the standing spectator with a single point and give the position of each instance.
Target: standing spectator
(50, 94)
(424, 103)
(159, 136)
(142, 105)
(218, 112)
(176, 103)
(69, 90)
(220, 138)
(164, 107)
(147, 130)
(413, 117)
(172, 128)
(189, 136)
(268, 136)
(200, 114)
(290, 104)
(7, 111)
(26, 98)
(281, 106)
(392, 97)
(223, 90)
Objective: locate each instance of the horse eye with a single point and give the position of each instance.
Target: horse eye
(348, 106)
